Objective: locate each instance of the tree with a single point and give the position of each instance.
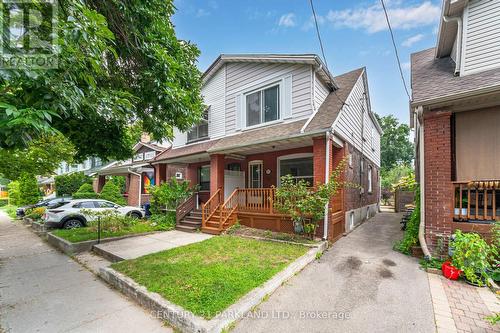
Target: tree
(395, 142)
(14, 194)
(68, 184)
(41, 157)
(29, 193)
(119, 63)
(86, 191)
(111, 192)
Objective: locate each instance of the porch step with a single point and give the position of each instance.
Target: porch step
(186, 228)
(211, 230)
(191, 222)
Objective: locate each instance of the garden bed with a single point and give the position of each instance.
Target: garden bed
(194, 285)
(245, 231)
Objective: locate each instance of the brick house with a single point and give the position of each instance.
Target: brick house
(268, 116)
(455, 110)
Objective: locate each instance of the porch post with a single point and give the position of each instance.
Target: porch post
(216, 172)
(101, 180)
(319, 159)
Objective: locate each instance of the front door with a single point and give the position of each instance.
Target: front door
(232, 180)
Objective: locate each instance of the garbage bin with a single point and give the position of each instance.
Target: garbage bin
(147, 209)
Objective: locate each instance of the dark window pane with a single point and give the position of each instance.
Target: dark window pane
(204, 177)
(271, 104)
(253, 109)
(298, 168)
(203, 130)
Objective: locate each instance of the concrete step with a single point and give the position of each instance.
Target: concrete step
(210, 230)
(186, 228)
(190, 223)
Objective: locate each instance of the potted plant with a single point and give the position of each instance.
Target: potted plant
(463, 211)
(473, 256)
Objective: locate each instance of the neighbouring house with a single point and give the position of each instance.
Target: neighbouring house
(455, 110)
(268, 116)
(138, 171)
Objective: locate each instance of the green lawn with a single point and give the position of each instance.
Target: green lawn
(209, 276)
(10, 210)
(84, 234)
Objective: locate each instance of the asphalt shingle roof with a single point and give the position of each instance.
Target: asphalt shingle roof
(433, 78)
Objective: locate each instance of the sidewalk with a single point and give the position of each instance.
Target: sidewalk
(459, 307)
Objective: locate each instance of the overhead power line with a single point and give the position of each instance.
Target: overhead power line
(323, 51)
(395, 50)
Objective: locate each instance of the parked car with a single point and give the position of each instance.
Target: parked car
(72, 214)
(21, 211)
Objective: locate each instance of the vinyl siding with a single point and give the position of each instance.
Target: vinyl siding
(481, 36)
(241, 77)
(348, 124)
(320, 92)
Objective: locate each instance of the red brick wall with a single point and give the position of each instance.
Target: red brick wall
(438, 169)
(133, 190)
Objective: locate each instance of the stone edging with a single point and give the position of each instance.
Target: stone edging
(71, 248)
(186, 321)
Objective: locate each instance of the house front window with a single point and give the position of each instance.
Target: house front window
(263, 106)
(255, 174)
(200, 131)
(204, 178)
(298, 168)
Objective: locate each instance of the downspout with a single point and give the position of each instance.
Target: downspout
(327, 179)
(457, 19)
(140, 184)
(419, 113)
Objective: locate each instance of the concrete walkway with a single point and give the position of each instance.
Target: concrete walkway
(134, 247)
(42, 290)
(359, 285)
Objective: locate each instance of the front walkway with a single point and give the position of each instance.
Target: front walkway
(459, 307)
(42, 290)
(359, 285)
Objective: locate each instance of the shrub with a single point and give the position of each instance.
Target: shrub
(112, 193)
(111, 221)
(86, 191)
(473, 255)
(4, 202)
(164, 221)
(410, 237)
(169, 194)
(36, 213)
(68, 184)
(29, 192)
(14, 193)
(119, 181)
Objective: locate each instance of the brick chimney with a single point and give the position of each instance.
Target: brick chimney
(145, 138)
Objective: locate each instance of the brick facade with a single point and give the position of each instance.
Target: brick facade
(134, 190)
(438, 178)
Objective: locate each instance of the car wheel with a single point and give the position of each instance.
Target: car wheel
(73, 223)
(135, 215)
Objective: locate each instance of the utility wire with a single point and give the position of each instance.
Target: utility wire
(323, 51)
(395, 50)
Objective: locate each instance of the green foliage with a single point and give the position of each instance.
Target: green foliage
(169, 194)
(69, 183)
(4, 202)
(86, 191)
(119, 62)
(394, 175)
(41, 157)
(10, 210)
(35, 213)
(112, 193)
(493, 319)
(29, 192)
(306, 205)
(395, 144)
(432, 263)
(473, 255)
(163, 222)
(119, 181)
(410, 237)
(14, 193)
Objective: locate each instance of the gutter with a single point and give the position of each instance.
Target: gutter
(419, 113)
(327, 179)
(458, 61)
(449, 98)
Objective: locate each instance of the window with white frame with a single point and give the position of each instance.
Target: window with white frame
(370, 174)
(262, 106)
(255, 174)
(299, 168)
(200, 131)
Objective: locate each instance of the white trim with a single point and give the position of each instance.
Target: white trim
(280, 85)
(252, 163)
(288, 157)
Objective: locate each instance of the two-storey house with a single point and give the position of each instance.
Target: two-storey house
(272, 115)
(455, 110)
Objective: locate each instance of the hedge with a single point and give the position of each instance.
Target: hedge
(86, 191)
(70, 183)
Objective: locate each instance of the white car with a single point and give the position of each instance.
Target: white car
(71, 214)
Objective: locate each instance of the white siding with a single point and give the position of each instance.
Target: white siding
(320, 92)
(180, 138)
(213, 93)
(348, 125)
(241, 77)
(481, 36)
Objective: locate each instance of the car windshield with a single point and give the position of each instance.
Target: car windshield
(56, 204)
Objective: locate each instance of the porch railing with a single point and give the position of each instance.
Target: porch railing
(211, 206)
(477, 200)
(258, 200)
(185, 207)
(228, 210)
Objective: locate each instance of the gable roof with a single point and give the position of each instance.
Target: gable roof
(190, 149)
(309, 59)
(433, 79)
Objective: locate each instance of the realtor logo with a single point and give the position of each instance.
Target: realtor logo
(28, 34)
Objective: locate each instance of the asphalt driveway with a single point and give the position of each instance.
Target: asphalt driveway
(42, 290)
(359, 285)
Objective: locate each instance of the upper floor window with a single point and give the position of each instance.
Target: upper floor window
(200, 131)
(263, 106)
(370, 180)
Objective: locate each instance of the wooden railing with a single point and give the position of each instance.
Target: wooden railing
(258, 200)
(210, 207)
(228, 210)
(477, 200)
(185, 207)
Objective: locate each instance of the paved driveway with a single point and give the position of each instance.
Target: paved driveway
(361, 278)
(42, 290)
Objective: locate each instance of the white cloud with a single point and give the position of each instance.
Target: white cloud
(202, 12)
(309, 24)
(412, 40)
(406, 66)
(287, 20)
(372, 19)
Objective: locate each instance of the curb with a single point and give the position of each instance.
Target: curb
(106, 254)
(188, 322)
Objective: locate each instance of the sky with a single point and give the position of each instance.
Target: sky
(354, 35)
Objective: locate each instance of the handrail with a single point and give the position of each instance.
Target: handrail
(185, 207)
(210, 207)
(228, 208)
(476, 200)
